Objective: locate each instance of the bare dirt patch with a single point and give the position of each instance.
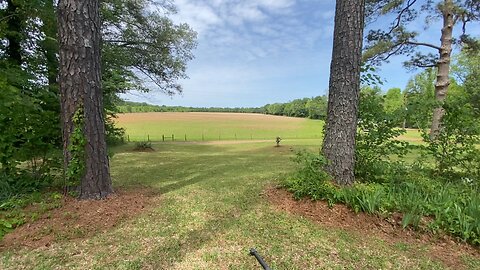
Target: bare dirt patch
(202, 116)
(80, 219)
(226, 142)
(442, 248)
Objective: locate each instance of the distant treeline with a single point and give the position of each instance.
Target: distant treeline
(134, 107)
(314, 108)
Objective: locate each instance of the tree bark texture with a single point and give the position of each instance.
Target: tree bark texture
(443, 66)
(344, 88)
(80, 87)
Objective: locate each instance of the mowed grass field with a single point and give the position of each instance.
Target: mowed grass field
(212, 208)
(217, 126)
(198, 126)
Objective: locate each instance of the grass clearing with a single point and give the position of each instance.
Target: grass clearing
(211, 212)
(413, 136)
(199, 126)
(217, 126)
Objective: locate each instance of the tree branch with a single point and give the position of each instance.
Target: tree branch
(422, 44)
(398, 20)
(424, 66)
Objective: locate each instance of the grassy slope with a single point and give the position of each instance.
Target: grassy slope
(215, 126)
(211, 213)
(225, 126)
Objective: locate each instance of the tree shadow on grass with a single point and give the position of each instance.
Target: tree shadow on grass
(181, 184)
(175, 250)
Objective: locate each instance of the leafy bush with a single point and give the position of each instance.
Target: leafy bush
(22, 182)
(114, 135)
(13, 213)
(310, 180)
(30, 133)
(376, 139)
(449, 197)
(453, 207)
(369, 198)
(454, 149)
(9, 224)
(143, 146)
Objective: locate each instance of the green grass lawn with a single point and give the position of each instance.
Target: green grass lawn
(217, 126)
(211, 212)
(413, 136)
(225, 126)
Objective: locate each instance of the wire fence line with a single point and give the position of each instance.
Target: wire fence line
(210, 137)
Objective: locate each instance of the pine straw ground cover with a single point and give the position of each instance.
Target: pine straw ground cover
(209, 203)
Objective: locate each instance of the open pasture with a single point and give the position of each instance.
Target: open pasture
(214, 201)
(200, 126)
(217, 126)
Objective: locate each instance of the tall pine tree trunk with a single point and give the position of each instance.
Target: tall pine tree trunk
(80, 89)
(344, 88)
(443, 80)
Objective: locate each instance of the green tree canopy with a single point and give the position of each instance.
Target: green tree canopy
(142, 45)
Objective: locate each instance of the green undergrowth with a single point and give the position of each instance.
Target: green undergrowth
(17, 210)
(426, 203)
(21, 190)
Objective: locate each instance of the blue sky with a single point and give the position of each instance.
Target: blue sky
(251, 53)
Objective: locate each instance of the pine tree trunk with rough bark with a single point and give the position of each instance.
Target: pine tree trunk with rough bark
(443, 66)
(344, 88)
(80, 89)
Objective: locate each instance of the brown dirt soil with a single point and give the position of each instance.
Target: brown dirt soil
(442, 248)
(80, 219)
(226, 142)
(203, 116)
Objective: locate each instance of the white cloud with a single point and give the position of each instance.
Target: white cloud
(203, 15)
(257, 48)
(198, 15)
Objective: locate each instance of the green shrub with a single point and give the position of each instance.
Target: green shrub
(454, 150)
(452, 207)
(114, 135)
(9, 224)
(310, 180)
(20, 183)
(369, 198)
(30, 134)
(143, 146)
(449, 196)
(13, 211)
(376, 139)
